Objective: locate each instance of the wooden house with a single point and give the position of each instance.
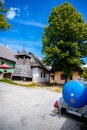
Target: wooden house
(60, 79)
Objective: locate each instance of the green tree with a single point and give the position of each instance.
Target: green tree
(3, 21)
(84, 74)
(64, 39)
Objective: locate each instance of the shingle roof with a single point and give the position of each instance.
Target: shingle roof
(7, 53)
(36, 62)
(22, 71)
(22, 67)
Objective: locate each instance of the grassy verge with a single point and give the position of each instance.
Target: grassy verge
(5, 80)
(59, 89)
(9, 81)
(55, 87)
(49, 86)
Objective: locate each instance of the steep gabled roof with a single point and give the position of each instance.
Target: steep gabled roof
(7, 53)
(36, 62)
(22, 53)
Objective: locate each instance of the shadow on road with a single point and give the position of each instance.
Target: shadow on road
(72, 122)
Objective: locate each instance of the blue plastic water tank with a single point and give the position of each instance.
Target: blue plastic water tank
(75, 94)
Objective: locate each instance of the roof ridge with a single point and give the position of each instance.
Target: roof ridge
(7, 53)
(6, 46)
(39, 61)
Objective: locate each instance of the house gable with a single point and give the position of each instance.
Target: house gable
(40, 72)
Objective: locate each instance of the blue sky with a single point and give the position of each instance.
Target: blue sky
(28, 18)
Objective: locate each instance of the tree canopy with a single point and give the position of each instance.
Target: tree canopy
(64, 39)
(3, 21)
(84, 74)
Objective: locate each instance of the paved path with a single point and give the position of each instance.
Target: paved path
(24, 108)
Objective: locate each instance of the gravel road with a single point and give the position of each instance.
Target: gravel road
(24, 108)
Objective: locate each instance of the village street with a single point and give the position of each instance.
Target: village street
(23, 108)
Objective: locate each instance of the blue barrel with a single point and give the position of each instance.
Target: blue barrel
(75, 94)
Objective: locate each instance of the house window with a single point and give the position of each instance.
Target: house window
(63, 77)
(41, 74)
(44, 75)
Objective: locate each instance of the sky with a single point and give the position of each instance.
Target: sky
(27, 19)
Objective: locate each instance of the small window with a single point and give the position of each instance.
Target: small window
(63, 77)
(41, 74)
(44, 75)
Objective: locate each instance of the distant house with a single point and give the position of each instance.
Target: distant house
(7, 56)
(29, 67)
(40, 73)
(60, 79)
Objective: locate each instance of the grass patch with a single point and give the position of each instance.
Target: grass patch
(30, 85)
(9, 81)
(59, 89)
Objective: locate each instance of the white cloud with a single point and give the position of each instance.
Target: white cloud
(12, 13)
(31, 23)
